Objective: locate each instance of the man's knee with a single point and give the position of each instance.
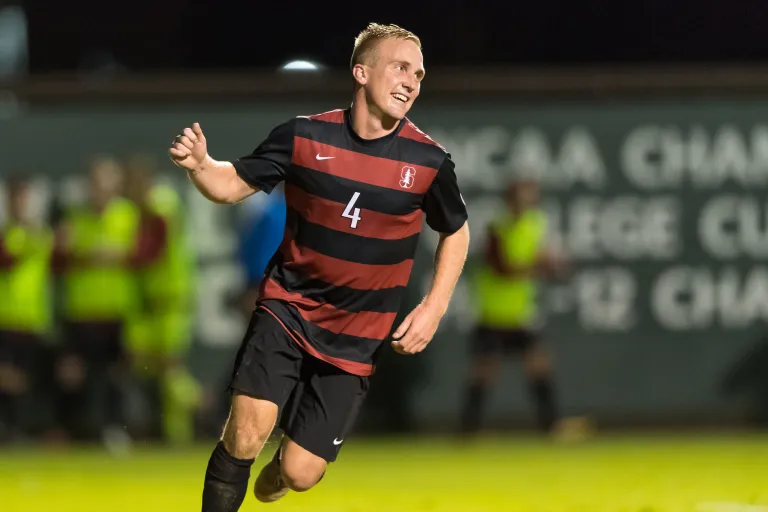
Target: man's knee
(301, 468)
(302, 473)
(244, 441)
(71, 373)
(13, 380)
(249, 426)
(485, 370)
(538, 362)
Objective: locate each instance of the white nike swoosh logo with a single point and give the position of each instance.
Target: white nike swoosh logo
(337, 442)
(323, 157)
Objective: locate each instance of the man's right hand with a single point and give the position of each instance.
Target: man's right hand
(222, 184)
(189, 149)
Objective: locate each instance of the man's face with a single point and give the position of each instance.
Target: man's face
(138, 178)
(19, 201)
(106, 181)
(394, 77)
(137, 185)
(523, 195)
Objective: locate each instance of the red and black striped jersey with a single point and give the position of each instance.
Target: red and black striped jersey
(354, 214)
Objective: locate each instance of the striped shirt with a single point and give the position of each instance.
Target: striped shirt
(355, 209)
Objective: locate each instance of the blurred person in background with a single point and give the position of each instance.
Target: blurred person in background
(26, 247)
(160, 331)
(259, 237)
(505, 284)
(93, 249)
(14, 53)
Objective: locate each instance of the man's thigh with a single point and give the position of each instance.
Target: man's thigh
(23, 351)
(323, 409)
(268, 364)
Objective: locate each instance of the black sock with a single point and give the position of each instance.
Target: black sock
(543, 395)
(69, 411)
(226, 481)
(14, 417)
(115, 404)
(474, 405)
(6, 415)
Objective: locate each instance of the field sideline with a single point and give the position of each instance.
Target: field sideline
(696, 473)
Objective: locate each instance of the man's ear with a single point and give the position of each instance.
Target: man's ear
(360, 74)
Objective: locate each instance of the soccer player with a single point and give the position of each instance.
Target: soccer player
(26, 247)
(357, 183)
(515, 257)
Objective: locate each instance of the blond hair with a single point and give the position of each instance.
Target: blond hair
(367, 41)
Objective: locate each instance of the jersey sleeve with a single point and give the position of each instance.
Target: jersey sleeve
(268, 164)
(443, 205)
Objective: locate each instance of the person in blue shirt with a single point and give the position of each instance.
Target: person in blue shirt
(260, 236)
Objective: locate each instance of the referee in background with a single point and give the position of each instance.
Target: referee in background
(515, 257)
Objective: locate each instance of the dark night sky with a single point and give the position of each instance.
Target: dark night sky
(163, 34)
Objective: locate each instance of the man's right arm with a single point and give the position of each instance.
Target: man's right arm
(494, 258)
(219, 182)
(7, 260)
(230, 182)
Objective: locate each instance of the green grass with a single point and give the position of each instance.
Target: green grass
(637, 474)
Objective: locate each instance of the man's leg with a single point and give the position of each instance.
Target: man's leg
(270, 485)
(15, 351)
(70, 376)
(6, 397)
(484, 372)
(117, 376)
(28, 351)
(316, 422)
(143, 413)
(250, 423)
(538, 371)
(292, 468)
(266, 370)
(13, 386)
(181, 393)
(301, 469)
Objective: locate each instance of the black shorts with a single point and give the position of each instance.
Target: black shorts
(24, 351)
(490, 341)
(318, 402)
(94, 342)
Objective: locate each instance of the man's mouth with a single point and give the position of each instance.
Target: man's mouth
(400, 97)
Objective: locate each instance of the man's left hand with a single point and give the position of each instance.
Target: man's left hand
(417, 329)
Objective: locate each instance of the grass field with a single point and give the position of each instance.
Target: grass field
(615, 473)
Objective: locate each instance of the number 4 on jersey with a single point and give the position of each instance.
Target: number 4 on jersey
(352, 214)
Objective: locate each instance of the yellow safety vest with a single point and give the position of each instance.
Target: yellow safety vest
(25, 298)
(510, 302)
(169, 280)
(93, 293)
(164, 323)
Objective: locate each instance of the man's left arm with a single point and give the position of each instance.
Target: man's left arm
(152, 242)
(418, 328)
(446, 213)
(7, 258)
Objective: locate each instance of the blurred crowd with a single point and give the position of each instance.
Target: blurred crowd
(97, 306)
(98, 302)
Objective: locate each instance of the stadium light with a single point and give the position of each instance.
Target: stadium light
(300, 65)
